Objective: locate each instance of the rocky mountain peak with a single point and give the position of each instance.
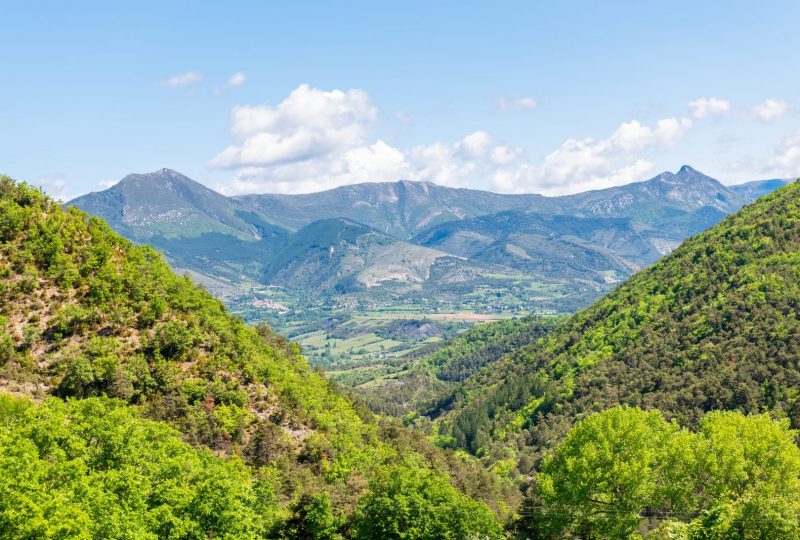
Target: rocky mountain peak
(157, 178)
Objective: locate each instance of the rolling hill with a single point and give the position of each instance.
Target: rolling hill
(181, 419)
(340, 254)
(530, 243)
(198, 228)
(711, 326)
(166, 204)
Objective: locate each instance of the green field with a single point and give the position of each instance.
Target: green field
(372, 335)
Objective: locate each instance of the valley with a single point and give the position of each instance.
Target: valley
(482, 424)
(377, 262)
(400, 271)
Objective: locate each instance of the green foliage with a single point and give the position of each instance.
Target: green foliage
(100, 318)
(712, 326)
(407, 502)
(313, 519)
(434, 373)
(114, 320)
(173, 339)
(466, 355)
(7, 352)
(94, 469)
(613, 465)
(751, 472)
(625, 470)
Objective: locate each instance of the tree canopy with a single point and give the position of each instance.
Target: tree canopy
(93, 468)
(625, 472)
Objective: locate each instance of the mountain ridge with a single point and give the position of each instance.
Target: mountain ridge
(177, 213)
(167, 197)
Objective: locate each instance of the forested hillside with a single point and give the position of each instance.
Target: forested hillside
(628, 473)
(404, 250)
(712, 326)
(136, 406)
(432, 375)
(180, 420)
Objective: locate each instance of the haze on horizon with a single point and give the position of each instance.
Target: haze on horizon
(517, 98)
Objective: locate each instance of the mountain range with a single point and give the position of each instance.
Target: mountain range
(413, 239)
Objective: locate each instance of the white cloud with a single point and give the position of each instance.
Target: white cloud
(596, 174)
(476, 145)
(379, 160)
(785, 160)
(375, 162)
(581, 164)
(456, 165)
(54, 185)
(770, 109)
(523, 103)
(577, 165)
(316, 139)
(403, 118)
(634, 136)
(183, 79)
(479, 146)
(709, 107)
(237, 79)
(446, 164)
(308, 124)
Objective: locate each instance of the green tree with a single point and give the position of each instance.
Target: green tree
(411, 503)
(312, 519)
(614, 469)
(625, 471)
(94, 469)
(751, 471)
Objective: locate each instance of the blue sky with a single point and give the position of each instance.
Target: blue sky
(550, 97)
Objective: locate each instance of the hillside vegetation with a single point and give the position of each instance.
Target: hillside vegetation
(627, 473)
(712, 326)
(153, 366)
(429, 375)
(408, 249)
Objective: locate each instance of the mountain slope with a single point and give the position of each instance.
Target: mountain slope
(712, 326)
(598, 235)
(342, 254)
(237, 239)
(197, 228)
(447, 253)
(532, 243)
(168, 204)
(431, 374)
(85, 313)
(757, 188)
(404, 208)
(658, 198)
(400, 209)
